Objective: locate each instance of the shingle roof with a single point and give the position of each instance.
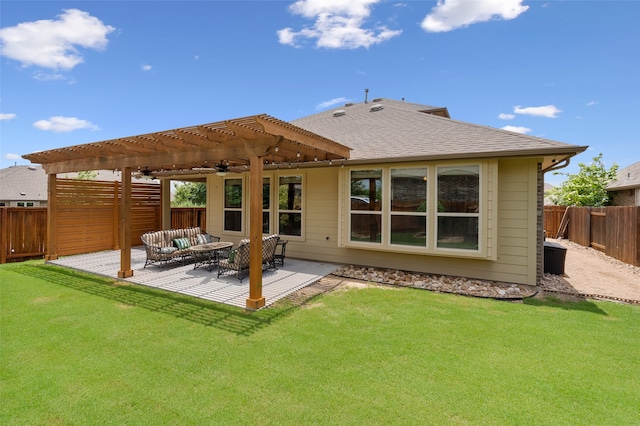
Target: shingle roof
(407, 131)
(628, 178)
(28, 180)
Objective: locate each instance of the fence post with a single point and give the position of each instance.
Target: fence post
(4, 235)
(116, 216)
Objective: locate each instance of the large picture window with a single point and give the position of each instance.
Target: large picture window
(409, 207)
(458, 207)
(290, 205)
(233, 205)
(426, 208)
(366, 206)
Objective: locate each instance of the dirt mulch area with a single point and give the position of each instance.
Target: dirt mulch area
(592, 274)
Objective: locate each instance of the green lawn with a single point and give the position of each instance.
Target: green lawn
(82, 350)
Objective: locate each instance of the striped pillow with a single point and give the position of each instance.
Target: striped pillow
(181, 243)
(204, 238)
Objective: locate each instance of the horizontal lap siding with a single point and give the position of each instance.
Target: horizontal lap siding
(517, 249)
(513, 234)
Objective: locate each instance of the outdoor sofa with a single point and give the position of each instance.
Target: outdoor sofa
(170, 245)
(238, 259)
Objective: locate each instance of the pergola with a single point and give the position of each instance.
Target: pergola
(247, 142)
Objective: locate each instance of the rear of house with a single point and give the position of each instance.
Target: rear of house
(420, 192)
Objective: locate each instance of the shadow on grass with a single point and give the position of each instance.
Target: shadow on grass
(229, 318)
(576, 304)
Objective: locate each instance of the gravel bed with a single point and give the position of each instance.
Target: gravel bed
(439, 283)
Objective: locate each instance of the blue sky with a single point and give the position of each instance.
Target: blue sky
(80, 72)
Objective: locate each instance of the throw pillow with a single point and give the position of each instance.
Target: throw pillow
(167, 250)
(181, 243)
(232, 255)
(204, 238)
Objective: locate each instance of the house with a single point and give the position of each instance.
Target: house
(23, 186)
(625, 190)
(384, 183)
(26, 186)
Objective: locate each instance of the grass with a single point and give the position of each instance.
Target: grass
(78, 349)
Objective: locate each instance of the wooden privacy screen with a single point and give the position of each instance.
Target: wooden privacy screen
(89, 211)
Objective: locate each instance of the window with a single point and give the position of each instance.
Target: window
(266, 205)
(431, 209)
(409, 207)
(366, 206)
(458, 207)
(20, 204)
(290, 205)
(233, 205)
(29, 204)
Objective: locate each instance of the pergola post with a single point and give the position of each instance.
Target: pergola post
(165, 203)
(52, 218)
(255, 300)
(125, 225)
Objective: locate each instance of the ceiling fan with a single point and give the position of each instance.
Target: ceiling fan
(145, 174)
(221, 169)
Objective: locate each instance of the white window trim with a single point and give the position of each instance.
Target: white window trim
(275, 205)
(487, 167)
(241, 209)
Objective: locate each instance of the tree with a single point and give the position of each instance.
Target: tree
(87, 175)
(587, 188)
(190, 194)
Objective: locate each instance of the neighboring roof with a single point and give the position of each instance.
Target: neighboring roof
(628, 178)
(18, 180)
(389, 130)
(32, 181)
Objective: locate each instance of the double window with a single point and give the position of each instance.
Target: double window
(289, 207)
(424, 209)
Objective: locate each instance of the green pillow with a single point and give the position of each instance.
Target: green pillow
(182, 243)
(232, 255)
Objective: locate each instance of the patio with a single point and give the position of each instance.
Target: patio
(276, 284)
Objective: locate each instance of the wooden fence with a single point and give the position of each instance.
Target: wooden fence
(88, 216)
(87, 225)
(188, 217)
(613, 230)
(23, 233)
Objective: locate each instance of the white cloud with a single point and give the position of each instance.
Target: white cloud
(332, 102)
(549, 111)
(60, 124)
(146, 67)
(592, 103)
(338, 24)
(54, 44)
(449, 15)
(6, 116)
(517, 129)
(10, 156)
(504, 116)
(44, 76)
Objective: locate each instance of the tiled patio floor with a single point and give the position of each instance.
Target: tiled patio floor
(276, 284)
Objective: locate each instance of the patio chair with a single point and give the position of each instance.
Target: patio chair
(237, 261)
